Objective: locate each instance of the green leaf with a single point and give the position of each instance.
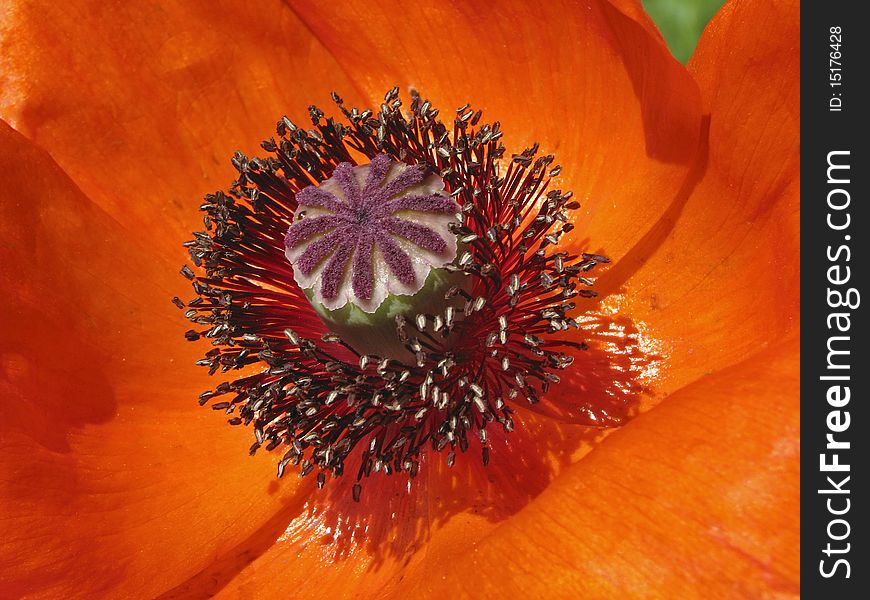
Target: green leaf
(681, 22)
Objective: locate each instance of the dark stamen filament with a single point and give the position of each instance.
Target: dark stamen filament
(490, 346)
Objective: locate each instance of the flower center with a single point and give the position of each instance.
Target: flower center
(370, 247)
(426, 292)
(362, 216)
(369, 232)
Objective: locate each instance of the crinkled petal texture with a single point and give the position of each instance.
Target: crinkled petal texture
(115, 484)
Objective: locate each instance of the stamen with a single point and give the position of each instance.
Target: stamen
(428, 293)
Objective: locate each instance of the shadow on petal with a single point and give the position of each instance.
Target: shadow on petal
(662, 124)
(52, 376)
(614, 280)
(52, 390)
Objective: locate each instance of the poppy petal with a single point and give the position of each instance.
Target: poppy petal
(586, 80)
(112, 480)
(143, 104)
(717, 279)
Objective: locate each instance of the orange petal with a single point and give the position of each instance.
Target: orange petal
(587, 81)
(112, 480)
(717, 278)
(144, 104)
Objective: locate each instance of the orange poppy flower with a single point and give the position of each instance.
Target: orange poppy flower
(114, 483)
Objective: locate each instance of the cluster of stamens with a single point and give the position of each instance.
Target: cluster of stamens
(496, 339)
